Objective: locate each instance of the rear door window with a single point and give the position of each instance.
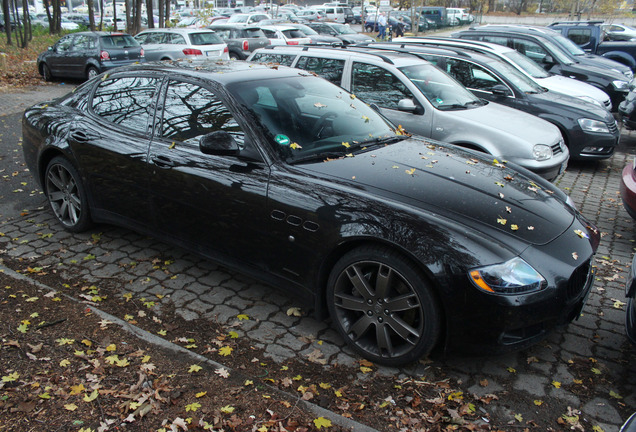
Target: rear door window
(374, 84)
(329, 69)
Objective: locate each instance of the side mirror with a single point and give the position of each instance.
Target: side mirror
(500, 90)
(219, 143)
(406, 105)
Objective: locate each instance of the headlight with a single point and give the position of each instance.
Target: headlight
(541, 152)
(592, 100)
(590, 125)
(512, 277)
(620, 85)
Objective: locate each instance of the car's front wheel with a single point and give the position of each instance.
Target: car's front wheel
(67, 195)
(383, 306)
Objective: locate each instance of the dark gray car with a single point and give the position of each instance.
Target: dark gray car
(241, 40)
(87, 54)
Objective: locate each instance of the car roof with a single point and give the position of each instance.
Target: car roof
(516, 28)
(177, 30)
(443, 42)
(395, 58)
(277, 27)
(476, 56)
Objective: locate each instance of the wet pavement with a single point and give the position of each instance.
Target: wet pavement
(200, 289)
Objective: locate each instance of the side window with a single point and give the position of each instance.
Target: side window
(580, 36)
(329, 69)
(192, 111)
(471, 75)
(176, 39)
(64, 44)
(126, 101)
(374, 84)
(530, 49)
(499, 40)
(82, 43)
(283, 59)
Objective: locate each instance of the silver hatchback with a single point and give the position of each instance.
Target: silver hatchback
(415, 94)
(176, 43)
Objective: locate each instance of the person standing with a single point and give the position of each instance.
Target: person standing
(382, 26)
(399, 28)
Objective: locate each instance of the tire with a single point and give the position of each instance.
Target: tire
(46, 72)
(234, 56)
(66, 195)
(369, 29)
(383, 306)
(91, 72)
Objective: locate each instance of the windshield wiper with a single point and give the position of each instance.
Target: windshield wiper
(452, 107)
(316, 157)
(380, 141)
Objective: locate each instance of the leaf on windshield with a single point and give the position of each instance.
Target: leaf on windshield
(530, 228)
(575, 255)
(400, 130)
(470, 162)
(319, 105)
(295, 146)
(501, 195)
(509, 178)
(395, 167)
(508, 209)
(499, 184)
(431, 146)
(411, 171)
(352, 96)
(365, 118)
(502, 221)
(346, 144)
(172, 145)
(514, 227)
(353, 106)
(533, 189)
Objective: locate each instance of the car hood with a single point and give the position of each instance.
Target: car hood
(324, 39)
(577, 108)
(449, 183)
(573, 87)
(518, 125)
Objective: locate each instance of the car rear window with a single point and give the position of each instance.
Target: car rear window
(205, 39)
(293, 33)
(254, 33)
(118, 41)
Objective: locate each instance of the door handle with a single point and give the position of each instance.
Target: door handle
(79, 136)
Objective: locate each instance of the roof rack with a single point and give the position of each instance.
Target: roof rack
(443, 41)
(403, 48)
(332, 48)
(575, 23)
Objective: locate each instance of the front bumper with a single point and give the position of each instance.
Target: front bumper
(589, 145)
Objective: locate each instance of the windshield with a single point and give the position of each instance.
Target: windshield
(306, 30)
(521, 81)
(238, 18)
(440, 89)
(343, 29)
(526, 64)
(307, 117)
(558, 53)
(568, 45)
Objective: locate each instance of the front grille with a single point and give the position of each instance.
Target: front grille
(612, 127)
(578, 280)
(557, 148)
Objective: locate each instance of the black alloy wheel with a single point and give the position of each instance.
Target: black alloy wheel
(91, 72)
(383, 306)
(66, 195)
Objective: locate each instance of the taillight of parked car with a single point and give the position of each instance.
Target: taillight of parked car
(192, 51)
(292, 42)
(141, 53)
(246, 45)
(226, 49)
(104, 55)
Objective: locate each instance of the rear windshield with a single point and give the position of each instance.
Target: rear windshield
(254, 33)
(119, 41)
(293, 33)
(205, 38)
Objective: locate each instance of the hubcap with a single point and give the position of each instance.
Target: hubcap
(378, 309)
(63, 195)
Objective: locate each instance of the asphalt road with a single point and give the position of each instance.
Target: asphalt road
(204, 290)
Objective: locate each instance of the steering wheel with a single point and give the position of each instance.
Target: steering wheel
(320, 123)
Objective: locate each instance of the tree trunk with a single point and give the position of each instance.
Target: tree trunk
(137, 16)
(101, 14)
(28, 35)
(91, 14)
(150, 14)
(128, 6)
(167, 14)
(114, 16)
(7, 20)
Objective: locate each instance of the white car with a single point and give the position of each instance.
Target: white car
(250, 18)
(525, 65)
(175, 43)
(283, 34)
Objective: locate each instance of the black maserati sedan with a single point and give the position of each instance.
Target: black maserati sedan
(408, 244)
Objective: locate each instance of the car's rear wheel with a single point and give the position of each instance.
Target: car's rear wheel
(383, 306)
(46, 72)
(67, 195)
(234, 56)
(91, 72)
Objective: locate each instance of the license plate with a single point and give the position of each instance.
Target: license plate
(212, 53)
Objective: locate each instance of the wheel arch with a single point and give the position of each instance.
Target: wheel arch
(621, 57)
(350, 244)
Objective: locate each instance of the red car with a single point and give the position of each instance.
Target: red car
(628, 188)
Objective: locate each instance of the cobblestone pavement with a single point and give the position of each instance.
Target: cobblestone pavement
(200, 289)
